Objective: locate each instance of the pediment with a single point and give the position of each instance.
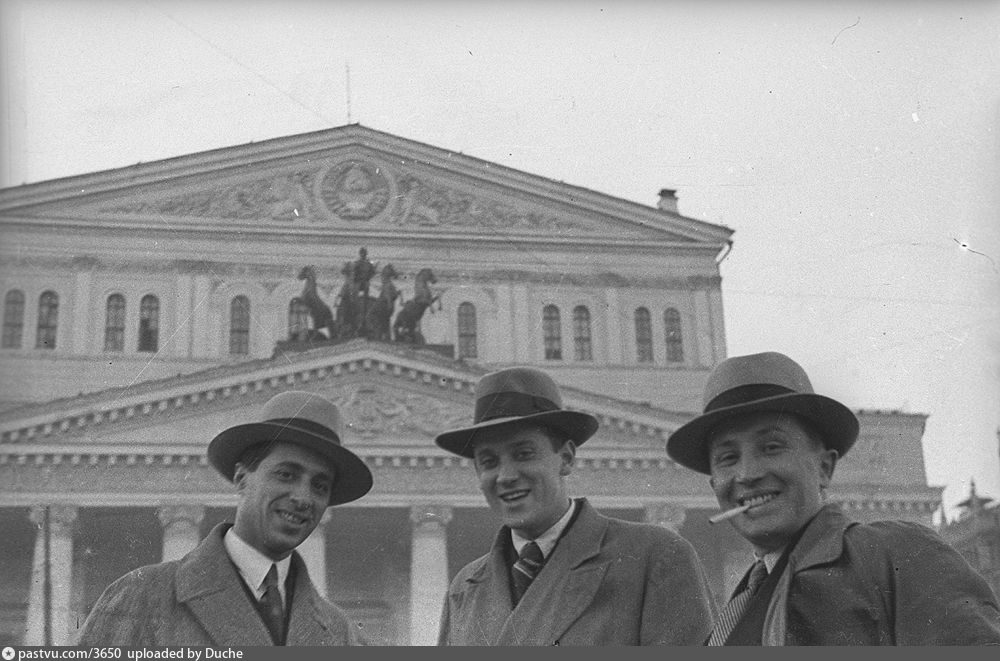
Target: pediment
(394, 400)
(348, 178)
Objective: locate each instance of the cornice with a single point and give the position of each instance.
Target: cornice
(45, 423)
(331, 274)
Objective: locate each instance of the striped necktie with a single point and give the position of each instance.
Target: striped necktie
(734, 610)
(528, 564)
(271, 607)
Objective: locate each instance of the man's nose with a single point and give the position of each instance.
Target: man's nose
(749, 468)
(301, 494)
(507, 471)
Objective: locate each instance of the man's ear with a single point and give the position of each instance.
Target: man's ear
(240, 476)
(568, 455)
(827, 464)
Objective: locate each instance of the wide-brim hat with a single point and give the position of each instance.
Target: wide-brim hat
(516, 397)
(305, 419)
(767, 381)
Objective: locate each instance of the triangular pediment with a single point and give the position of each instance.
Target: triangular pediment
(348, 178)
(393, 399)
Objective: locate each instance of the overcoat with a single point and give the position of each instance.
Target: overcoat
(607, 582)
(200, 601)
(881, 583)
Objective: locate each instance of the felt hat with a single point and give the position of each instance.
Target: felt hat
(516, 397)
(760, 382)
(305, 419)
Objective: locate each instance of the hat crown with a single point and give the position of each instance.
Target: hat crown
(755, 376)
(304, 406)
(516, 391)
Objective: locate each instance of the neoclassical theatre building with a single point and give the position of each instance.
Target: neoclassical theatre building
(149, 307)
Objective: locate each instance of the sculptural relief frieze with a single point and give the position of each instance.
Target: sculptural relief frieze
(285, 197)
(372, 412)
(354, 191)
(424, 204)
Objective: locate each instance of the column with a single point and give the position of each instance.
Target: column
(428, 571)
(313, 552)
(81, 313)
(181, 532)
(34, 634)
(668, 515)
(57, 545)
(616, 336)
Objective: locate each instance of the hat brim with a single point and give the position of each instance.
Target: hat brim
(576, 425)
(352, 478)
(688, 446)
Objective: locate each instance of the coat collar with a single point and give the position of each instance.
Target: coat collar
(563, 589)
(209, 585)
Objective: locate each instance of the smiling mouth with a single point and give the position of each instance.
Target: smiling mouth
(755, 501)
(292, 518)
(513, 496)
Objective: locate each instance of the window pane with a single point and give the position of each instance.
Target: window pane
(581, 334)
(149, 323)
(552, 334)
(643, 336)
(48, 320)
(675, 343)
(467, 331)
(239, 326)
(114, 324)
(13, 319)
(298, 319)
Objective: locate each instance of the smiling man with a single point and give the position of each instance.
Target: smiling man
(245, 585)
(770, 445)
(559, 572)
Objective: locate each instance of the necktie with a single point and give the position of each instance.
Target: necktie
(734, 610)
(528, 564)
(271, 607)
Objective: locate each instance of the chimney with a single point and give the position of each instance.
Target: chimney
(668, 200)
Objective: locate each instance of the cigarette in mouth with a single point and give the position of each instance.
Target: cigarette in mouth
(728, 514)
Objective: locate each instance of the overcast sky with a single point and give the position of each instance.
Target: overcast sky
(852, 147)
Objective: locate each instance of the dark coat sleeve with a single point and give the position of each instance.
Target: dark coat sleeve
(933, 595)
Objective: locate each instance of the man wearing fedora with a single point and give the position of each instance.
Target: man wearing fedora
(770, 445)
(245, 585)
(559, 572)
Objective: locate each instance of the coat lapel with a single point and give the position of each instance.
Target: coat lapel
(487, 593)
(208, 584)
(821, 543)
(305, 626)
(564, 588)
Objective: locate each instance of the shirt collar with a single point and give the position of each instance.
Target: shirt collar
(547, 540)
(771, 558)
(254, 565)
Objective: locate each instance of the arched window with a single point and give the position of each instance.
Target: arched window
(672, 328)
(48, 320)
(13, 319)
(298, 319)
(239, 326)
(551, 333)
(114, 323)
(643, 336)
(582, 349)
(149, 323)
(467, 331)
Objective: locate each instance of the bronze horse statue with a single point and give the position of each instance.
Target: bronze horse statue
(405, 327)
(322, 318)
(380, 309)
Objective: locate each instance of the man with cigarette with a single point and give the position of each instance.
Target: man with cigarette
(770, 445)
(560, 573)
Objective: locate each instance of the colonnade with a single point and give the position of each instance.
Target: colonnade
(429, 577)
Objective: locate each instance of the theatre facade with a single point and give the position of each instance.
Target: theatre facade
(147, 308)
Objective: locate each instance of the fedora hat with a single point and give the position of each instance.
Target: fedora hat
(305, 419)
(515, 397)
(760, 382)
